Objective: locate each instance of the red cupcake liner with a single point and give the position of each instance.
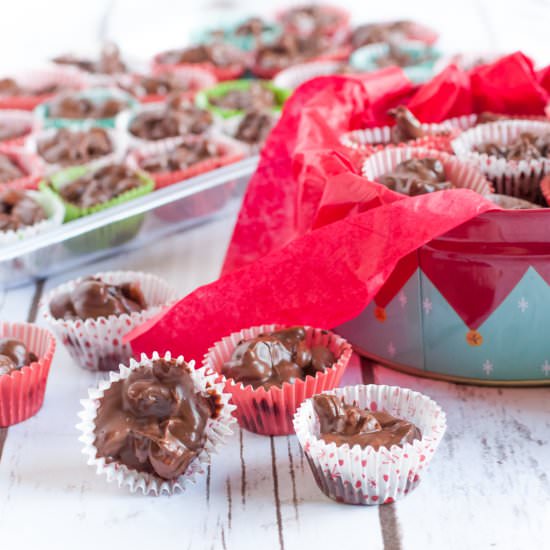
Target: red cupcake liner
(229, 151)
(271, 412)
(339, 54)
(232, 72)
(20, 120)
(31, 164)
(37, 78)
(22, 391)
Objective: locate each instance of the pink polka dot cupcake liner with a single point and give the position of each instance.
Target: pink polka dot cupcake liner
(355, 475)
(270, 412)
(17, 122)
(22, 391)
(460, 174)
(97, 344)
(217, 430)
(515, 178)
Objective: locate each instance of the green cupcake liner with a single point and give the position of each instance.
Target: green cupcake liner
(203, 97)
(73, 212)
(364, 59)
(42, 111)
(244, 43)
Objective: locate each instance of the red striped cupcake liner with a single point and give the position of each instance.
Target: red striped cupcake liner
(41, 78)
(460, 174)
(22, 391)
(19, 121)
(271, 412)
(229, 151)
(30, 164)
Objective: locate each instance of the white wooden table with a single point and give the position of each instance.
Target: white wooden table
(488, 486)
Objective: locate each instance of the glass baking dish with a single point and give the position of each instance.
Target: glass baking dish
(127, 226)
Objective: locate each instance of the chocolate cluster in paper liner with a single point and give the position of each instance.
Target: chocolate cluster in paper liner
(254, 127)
(68, 148)
(417, 176)
(154, 421)
(80, 108)
(527, 146)
(109, 62)
(275, 358)
(175, 119)
(219, 54)
(14, 355)
(256, 96)
(92, 298)
(342, 424)
(9, 87)
(9, 169)
(18, 209)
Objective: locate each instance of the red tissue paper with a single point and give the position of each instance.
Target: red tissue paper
(315, 241)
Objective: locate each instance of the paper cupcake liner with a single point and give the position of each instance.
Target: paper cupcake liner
(96, 344)
(364, 59)
(18, 121)
(439, 136)
(337, 30)
(22, 391)
(231, 72)
(459, 173)
(119, 150)
(520, 179)
(55, 212)
(30, 164)
(271, 412)
(296, 75)
(229, 127)
(73, 212)
(339, 54)
(195, 78)
(216, 432)
(203, 99)
(41, 78)
(365, 476)
(229, 151)
(96, 95)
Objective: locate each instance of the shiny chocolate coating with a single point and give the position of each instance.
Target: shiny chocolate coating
(80, 108)
(9, 169)
(280, 356)
(417, 177)
(257, 96)
(527, 146)
(154, 421)
(341, 423)
(18, 209)
(255, 127)
(100, 186)
(176, 119)
(407, 126)
(92, 298)
(14, 355)
(69, 148)
(180, 158)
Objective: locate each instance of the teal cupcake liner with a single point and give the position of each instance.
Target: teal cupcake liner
(364, 59)
(203, 98)
(73, 212)
(96, 95)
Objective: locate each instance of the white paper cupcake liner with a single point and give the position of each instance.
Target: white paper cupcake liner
(216, 431)
(366, 139)
(96, 344)
(459, 173)
(32, 142)
(19, 121)
(55, 212)
(510, 177)
(367, 476)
